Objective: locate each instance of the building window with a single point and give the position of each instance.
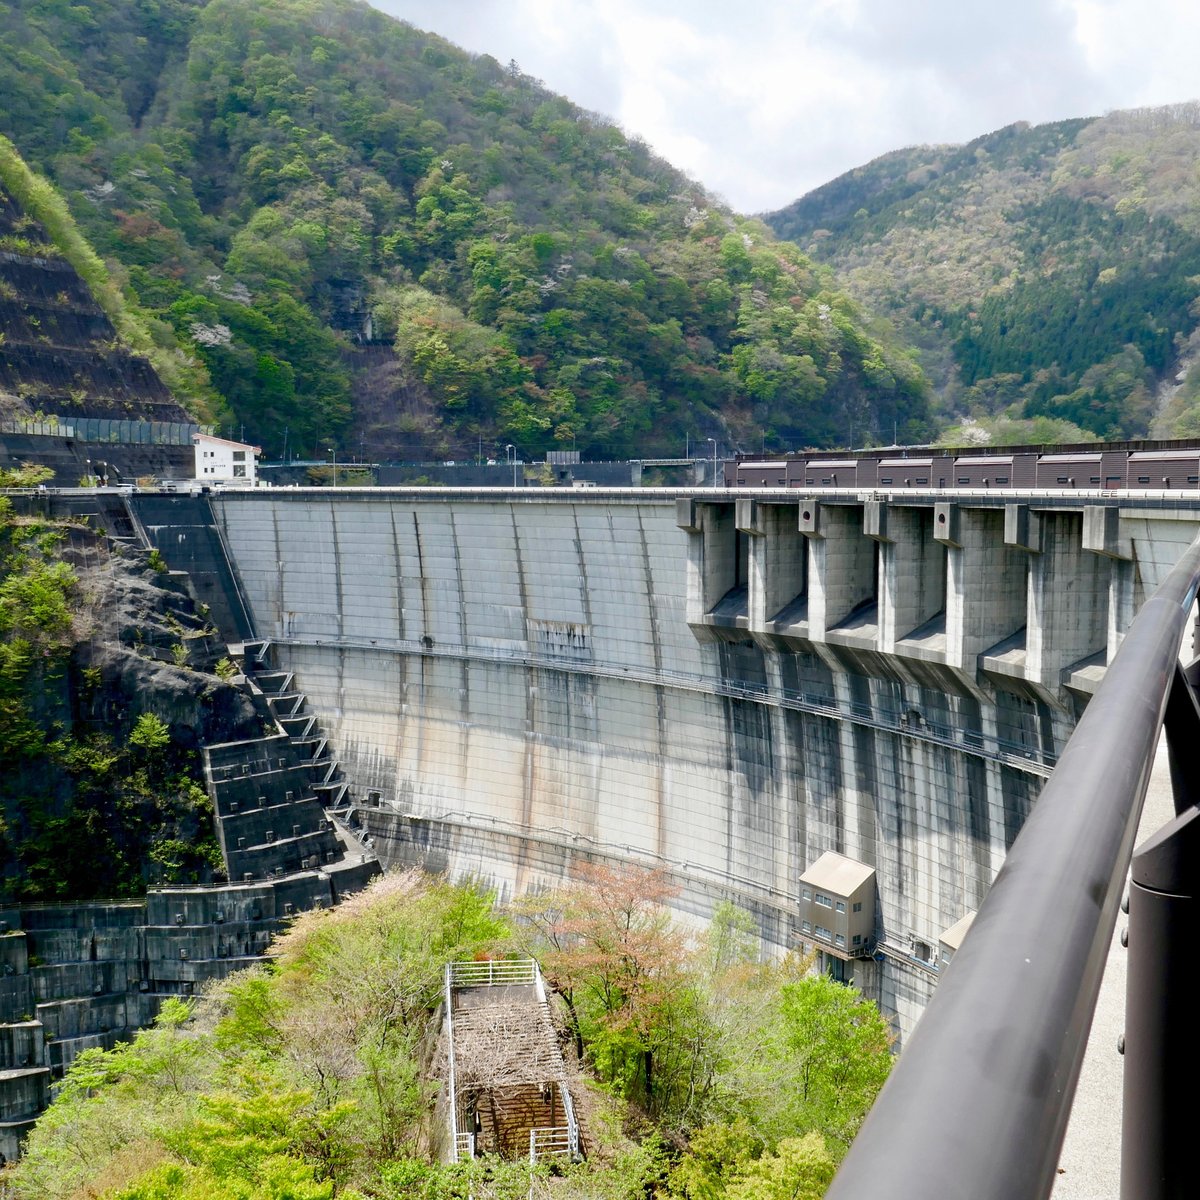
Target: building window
(833, 966)
(920, 480)
(1001, 478)
(840, 906)
(824, 901)
(858, 939)
(239, 471)
(806, 926)
(887, 479)
(964, 479)
(1143, 479)
(858, 906)
(826, 934)
(239, 456)
(806, 893)
(839, 940)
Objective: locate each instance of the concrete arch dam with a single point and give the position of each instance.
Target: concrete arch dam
(728, 687)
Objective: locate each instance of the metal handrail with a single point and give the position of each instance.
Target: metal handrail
(451, 1089)
(989, 1074)
(572, 1120)
(491, 972)
(552, 1140)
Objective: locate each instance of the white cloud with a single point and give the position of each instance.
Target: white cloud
(765, 101)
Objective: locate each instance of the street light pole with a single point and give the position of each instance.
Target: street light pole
(511, 451)
(333, 459)
(714, 466)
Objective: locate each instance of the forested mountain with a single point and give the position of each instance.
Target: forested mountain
(1046, 272)
(371, 239)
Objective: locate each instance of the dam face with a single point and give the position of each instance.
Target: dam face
(725, 687)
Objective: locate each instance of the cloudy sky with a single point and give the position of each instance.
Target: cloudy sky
(765, 99)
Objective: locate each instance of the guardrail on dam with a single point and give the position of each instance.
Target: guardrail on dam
(811, 706)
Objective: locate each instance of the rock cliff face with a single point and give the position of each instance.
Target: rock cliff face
(90, 808)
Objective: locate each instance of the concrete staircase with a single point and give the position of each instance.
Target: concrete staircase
(289, 707)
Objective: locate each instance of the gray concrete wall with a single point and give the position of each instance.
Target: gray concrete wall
(528, 679)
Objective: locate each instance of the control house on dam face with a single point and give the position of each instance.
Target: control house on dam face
(835, 711)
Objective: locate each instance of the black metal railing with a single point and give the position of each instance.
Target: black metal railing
(977, 1105)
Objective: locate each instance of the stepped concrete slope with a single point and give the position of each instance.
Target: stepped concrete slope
(727, 687)
(60, 352)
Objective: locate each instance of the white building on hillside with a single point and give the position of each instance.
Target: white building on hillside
(222, 461)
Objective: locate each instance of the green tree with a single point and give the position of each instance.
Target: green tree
(840, 1049)
(800, 1169)
(150, 733)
